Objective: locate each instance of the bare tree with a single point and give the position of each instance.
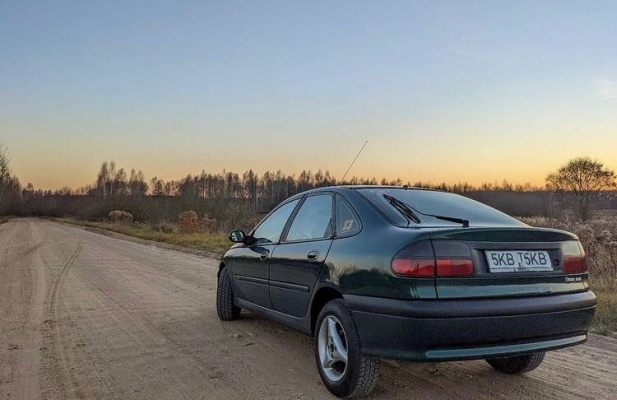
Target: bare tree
(10, 189)
(102, 179)
(120, 182)
(581, 181)
(112, 175)
(5, 168)
(137, 184)
(158, 186)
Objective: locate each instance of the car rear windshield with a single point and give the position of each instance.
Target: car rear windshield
(424, 202)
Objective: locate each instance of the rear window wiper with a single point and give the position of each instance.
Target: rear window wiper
(402, 207)
(464, 222)
(408, 212)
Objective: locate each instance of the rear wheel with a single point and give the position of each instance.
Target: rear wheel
(344, 370)
(225, 307)
(517, 364)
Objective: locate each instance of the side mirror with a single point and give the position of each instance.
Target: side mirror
(237, 236)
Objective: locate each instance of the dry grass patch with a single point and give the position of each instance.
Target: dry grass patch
(210, 242)
(599, 238)
(605, 321)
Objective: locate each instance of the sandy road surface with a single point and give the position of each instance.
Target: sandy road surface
(88, 316)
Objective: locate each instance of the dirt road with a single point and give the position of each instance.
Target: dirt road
(91, 317)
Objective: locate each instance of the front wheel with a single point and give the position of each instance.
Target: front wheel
(225, 307)
(344, 370)
(517, 364)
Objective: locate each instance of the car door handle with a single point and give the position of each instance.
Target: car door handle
(264, 255)
(313, 255)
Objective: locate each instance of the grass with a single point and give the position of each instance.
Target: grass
(605, 321)
(212, 243)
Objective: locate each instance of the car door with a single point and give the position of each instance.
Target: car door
(296, 262)
(251, 262)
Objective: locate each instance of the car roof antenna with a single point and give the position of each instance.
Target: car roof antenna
(354, 160)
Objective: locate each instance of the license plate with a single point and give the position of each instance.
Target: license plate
(518, 261)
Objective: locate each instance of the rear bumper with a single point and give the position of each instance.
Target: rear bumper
(444, 330)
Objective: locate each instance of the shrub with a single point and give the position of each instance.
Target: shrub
(120, 216)
(208, 224)
(598, 239)
(189, 222)
(236, 215)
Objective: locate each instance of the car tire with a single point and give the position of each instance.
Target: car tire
(344, 370)
(225, 307)
(517, 364)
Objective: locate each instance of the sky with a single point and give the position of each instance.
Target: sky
(474, 91)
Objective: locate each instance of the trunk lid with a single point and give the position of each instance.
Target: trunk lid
(526, 261)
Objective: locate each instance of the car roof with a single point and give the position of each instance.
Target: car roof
(340, 188)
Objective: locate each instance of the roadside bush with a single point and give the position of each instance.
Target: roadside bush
(121, 216)
(209, 225)
(236, 215)
(599, 239)
(189, 221)
(251, 222)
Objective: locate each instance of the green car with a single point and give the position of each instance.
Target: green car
(400, 273)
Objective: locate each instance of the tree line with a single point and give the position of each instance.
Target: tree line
(580, 185)
(113, 182)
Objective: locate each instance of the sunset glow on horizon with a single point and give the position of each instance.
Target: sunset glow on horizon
(443, 91)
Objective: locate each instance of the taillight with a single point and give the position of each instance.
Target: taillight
(424, 268)
(574, 261)
(454, 268)
(574, 265)
(418, 261)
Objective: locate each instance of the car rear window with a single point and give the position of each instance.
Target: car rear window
(424, 202)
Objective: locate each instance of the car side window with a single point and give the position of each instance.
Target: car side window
(313, 220)
(270, 230)
(347, 222)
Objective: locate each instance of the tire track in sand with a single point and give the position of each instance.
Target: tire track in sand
(60, 370)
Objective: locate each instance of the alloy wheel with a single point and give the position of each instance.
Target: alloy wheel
(332, 348)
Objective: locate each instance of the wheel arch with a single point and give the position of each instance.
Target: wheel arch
(321, 298)
(221, 266)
